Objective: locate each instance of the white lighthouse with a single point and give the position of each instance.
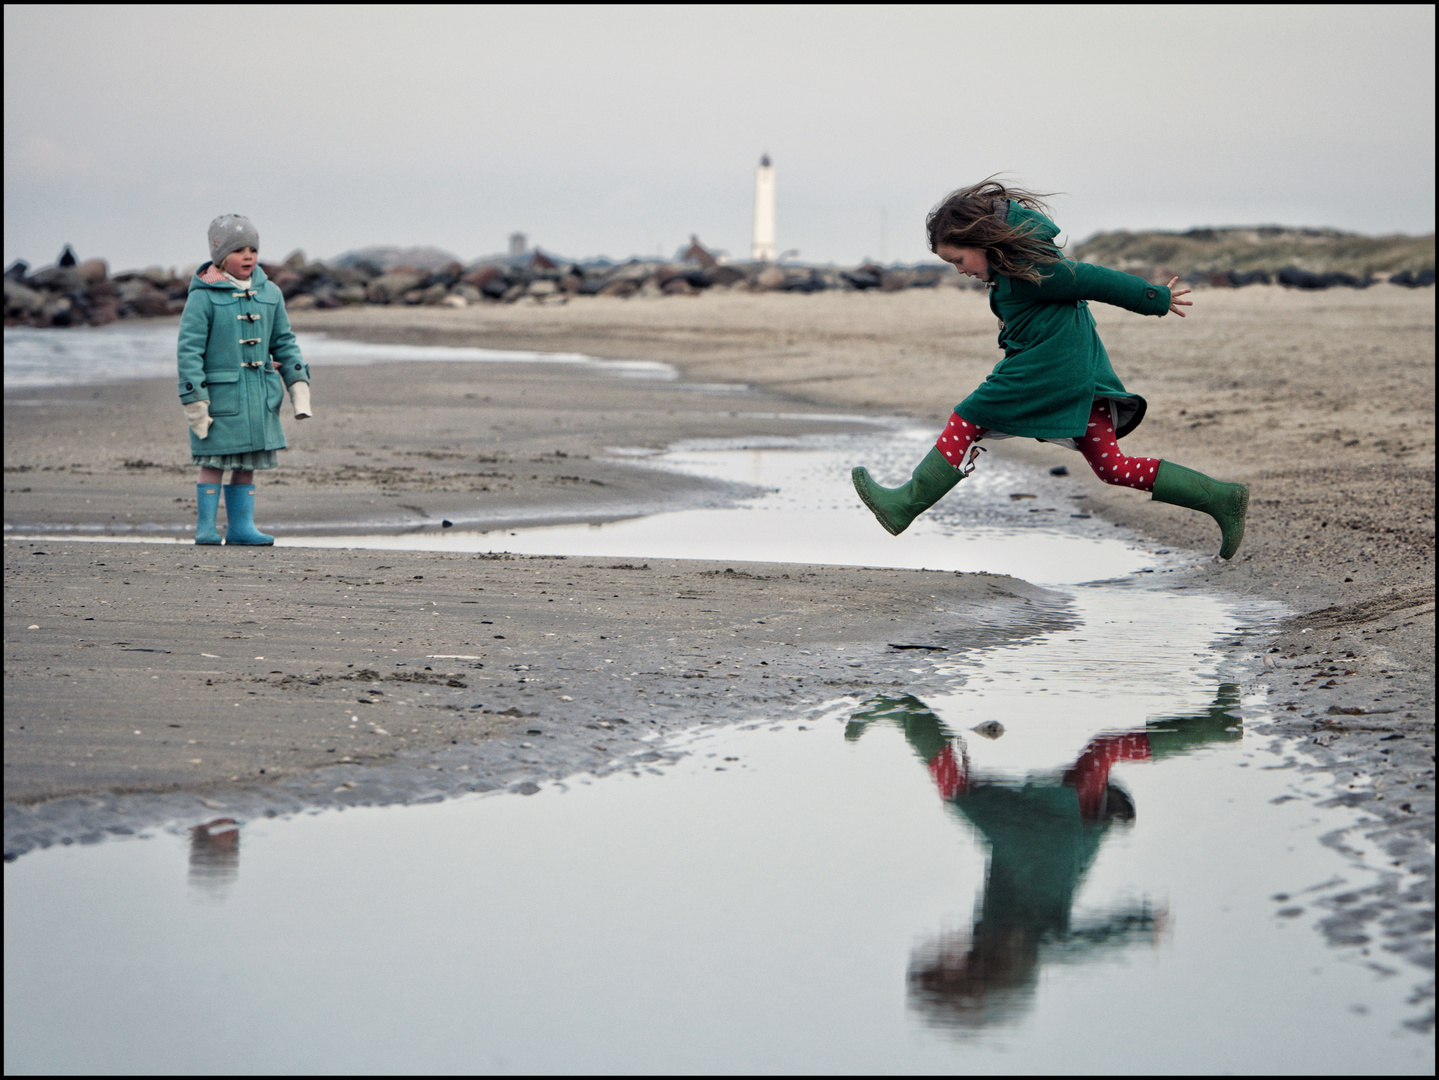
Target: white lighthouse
(762, 250)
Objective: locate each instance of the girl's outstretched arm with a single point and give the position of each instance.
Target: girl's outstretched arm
(1174, 294)
(1068, 281)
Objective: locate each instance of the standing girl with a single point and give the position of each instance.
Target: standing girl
(1055, 383)
(237, 354)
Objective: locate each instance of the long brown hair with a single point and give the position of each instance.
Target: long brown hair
(974, 217)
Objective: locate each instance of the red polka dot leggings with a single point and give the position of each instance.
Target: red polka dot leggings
(1100, 447)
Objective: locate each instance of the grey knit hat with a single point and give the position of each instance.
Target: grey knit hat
(228, 234)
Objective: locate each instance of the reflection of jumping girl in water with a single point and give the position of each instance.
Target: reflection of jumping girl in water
(1055, 383)
(1043, 834)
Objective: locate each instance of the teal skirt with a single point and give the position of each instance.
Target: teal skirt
(255, 459)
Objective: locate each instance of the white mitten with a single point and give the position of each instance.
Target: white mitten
(300, 398)
(197, 414)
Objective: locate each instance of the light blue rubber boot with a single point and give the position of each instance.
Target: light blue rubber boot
(240, 510)
(207, 497)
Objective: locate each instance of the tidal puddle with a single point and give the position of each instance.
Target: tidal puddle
(880, 889)
(792, 501)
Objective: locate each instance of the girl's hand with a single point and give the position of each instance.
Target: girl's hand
(300, 398)
(1174, 294)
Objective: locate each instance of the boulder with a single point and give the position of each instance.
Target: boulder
(471, 294)
(92, 271)
(1294, 278)
(67, 260)
(623, 287)
(21, 301)
(434, 294)
(723, 275)
(543, 287)
(17, 270)
(61, 279)
(102, 288)
(301, 303)
(342, 275)
(364, 268)
(1237, 280)
(446, 276)
(103, 310)
(139, 296)
(480, 276)
(1410, 279)
(771, 277)
(288, 281)
(455, 300)
(323, 296)
(864, 277)
(295, 260)
(804, 281)
(678, 286)
(387, 288)
(351, 294)
(55, 312)
(634, 271)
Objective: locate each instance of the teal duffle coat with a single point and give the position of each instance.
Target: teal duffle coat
(228, 340)
(1054, 365)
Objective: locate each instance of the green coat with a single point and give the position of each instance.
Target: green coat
(1054, 364)
(227, 341)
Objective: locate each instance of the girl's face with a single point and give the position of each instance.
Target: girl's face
(967, 260)
(241, 263)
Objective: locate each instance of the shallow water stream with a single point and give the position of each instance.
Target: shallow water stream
(1069, 858)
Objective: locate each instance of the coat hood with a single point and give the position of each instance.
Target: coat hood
(257, 279)
(1038, 224)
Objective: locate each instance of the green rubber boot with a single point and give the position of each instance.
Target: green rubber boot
(1225, 503)
(240, 515)
(897, 507)
(207, 500)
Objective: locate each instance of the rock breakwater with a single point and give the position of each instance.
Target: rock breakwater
(76, 293)
(72, 292)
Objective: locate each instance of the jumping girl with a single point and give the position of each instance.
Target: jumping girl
(236, 356)
(1055, 383)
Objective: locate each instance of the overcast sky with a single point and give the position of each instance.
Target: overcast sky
(621, 131)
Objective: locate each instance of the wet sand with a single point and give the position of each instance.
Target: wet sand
(1341, 471)
(158, 668)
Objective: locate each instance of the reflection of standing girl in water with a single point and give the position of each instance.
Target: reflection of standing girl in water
(1043, 834)
(1055, 383)
(214, 857)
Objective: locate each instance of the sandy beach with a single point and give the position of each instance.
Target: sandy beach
(149, 683)
(1323, 403)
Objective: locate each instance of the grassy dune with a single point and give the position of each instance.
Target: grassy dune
(1267, 247)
